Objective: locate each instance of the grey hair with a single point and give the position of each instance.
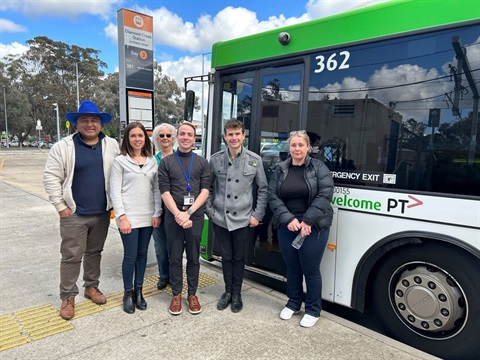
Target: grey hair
(156, 131)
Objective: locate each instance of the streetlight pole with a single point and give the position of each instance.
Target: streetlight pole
(5, 110)
(203, 72)
(78, 91)
(58, 122)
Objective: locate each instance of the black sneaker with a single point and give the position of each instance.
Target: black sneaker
(224, 301)
(162, 283)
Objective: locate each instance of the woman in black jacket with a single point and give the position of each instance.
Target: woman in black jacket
(300, 194)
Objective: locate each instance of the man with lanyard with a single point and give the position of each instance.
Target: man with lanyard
(230, 206)
(184, 181)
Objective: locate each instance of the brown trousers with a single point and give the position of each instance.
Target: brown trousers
(83, 237)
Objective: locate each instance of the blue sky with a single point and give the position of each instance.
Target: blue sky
(184, 30)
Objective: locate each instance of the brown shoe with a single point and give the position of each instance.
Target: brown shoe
(194, 306)
(176, 305)
(95, 295)
(67, 310)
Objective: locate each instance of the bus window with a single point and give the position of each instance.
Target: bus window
(375, 116)
(236, 104)
(279, 113)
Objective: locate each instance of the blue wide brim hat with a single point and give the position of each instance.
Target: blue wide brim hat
(88, 107)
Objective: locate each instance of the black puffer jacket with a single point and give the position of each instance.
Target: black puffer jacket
(320, 185)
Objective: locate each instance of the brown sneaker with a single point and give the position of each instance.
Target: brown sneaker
(95, 295)
(176, 305)
(67, 310)
(194, 306)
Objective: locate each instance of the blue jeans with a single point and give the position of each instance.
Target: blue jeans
(160, 242)
(304, 262)
(135, 247)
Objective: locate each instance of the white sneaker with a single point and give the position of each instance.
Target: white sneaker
(286, 313)
(308, 321)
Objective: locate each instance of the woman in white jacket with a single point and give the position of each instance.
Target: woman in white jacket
(137, 204)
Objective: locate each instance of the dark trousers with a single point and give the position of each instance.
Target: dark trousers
(135, 248)
(179, 240)
(232, 247)
(83, 237)
(304, 262)
(160, 242)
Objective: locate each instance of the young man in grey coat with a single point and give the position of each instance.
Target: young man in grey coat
(236, 174)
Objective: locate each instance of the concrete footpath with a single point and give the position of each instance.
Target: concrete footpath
(30, 326)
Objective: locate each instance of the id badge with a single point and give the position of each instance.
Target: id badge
(188, 200)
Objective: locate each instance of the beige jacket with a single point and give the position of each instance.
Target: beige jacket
(60, 166)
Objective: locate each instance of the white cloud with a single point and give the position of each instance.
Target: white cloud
(67, 8)
(111, 32)
(189, 66)
(9, 26)
(12, 49)
(321, 8)
(170, 29)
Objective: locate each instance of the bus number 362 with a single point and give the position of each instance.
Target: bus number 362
(332, 64)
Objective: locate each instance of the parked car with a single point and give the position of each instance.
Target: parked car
(273, 153)
(12, 143)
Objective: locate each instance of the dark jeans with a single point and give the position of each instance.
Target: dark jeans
(160, 242)
(135, 247)
(232, 246)
(179, 240)
(304, 262)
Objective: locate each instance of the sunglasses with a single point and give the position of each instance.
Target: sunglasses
(292, 133)
(163, 135)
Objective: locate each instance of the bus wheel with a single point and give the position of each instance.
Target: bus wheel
(428, 296)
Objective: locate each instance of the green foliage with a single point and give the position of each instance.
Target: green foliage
(47, 74)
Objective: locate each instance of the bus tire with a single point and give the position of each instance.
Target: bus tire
(428, 297)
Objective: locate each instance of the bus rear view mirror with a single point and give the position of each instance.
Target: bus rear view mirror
(189, 104)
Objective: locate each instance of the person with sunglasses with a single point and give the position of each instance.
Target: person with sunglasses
(300, 194)
(163, 137)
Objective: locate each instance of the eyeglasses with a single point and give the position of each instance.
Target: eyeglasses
(163, 135)
(296, 132)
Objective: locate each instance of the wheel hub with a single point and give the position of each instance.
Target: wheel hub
(428, 299)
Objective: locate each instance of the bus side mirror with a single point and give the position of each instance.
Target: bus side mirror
(189, 104)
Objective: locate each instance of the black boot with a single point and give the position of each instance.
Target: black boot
(237, 303)
(140, 302)
(224, 301)
(128, 302)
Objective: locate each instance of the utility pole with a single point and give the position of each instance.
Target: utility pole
(5, 110)
(58, 122)
(78, 91)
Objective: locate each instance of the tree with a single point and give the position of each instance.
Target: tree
(17, 109)
(107, 99)
(168, 101)
(46, 74)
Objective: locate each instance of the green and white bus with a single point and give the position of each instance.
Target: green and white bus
(389, 95)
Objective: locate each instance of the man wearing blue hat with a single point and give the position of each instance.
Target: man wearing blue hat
(76, 180)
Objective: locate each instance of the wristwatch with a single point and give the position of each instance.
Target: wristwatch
(189, 212)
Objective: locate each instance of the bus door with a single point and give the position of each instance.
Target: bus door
(278, 102)
(267, 101)
(233, 101)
